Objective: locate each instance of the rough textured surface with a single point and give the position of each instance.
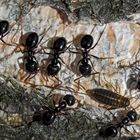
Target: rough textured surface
(120, 41)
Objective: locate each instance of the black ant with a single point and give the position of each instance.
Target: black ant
(86, 43)
(47, 115)
(112, 130)
(55, 65)
(30, 42)
(59, 47)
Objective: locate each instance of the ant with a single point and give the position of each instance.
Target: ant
(30, 42)
(47, 116)
(85, 68)
(59, 47)
(112, 130)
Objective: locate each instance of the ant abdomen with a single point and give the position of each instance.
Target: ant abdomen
(45, 117)
(108, 97)
(52, 69)
(85, 70)
(31, 66)
(110, 131)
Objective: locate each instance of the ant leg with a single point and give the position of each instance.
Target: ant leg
(4, 41)
(92, 64)
(100, 57)
(98, 39)
(59, 82)
(74, 52)
(26, 80)
(78, 83)
(43, 34)
(99, 82)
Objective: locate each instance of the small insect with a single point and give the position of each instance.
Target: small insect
(108, 97)
(4, 30)
(47, 115)
(55, 65)
(112, 130)
(30, 42)
(85, 65)
(58, 48)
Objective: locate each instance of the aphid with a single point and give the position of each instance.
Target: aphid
(108, 97)
(85, 65)
(4, 27)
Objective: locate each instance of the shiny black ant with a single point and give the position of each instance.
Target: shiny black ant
(30, 42)
(47, 116)
(59, 47)
(112, 130)
(85, 68)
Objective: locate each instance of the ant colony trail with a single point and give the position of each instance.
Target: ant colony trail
(67, 74)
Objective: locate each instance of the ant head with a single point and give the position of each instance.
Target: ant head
(86, 41)
(4, 26)
(70, 99)
(132, 115)
(48, 117)
(31, 40)
(59, 44)
(110, 131)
